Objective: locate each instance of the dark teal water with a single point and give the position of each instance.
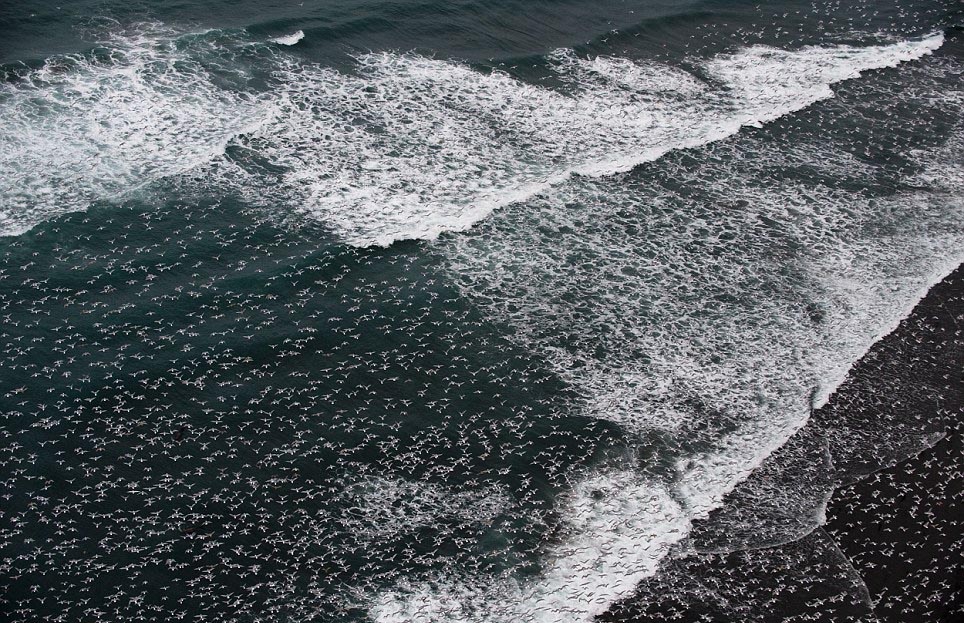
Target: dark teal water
(348, 311)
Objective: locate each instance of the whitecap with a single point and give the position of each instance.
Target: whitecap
(291, 39)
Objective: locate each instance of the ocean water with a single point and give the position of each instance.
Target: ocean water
(423, 311)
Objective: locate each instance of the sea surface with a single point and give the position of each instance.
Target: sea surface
(424, 311)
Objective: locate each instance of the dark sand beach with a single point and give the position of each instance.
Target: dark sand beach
(903, 527)
(890, 549)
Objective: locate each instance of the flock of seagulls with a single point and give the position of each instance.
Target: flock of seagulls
(203, 419)
(207, 415)
(892, 539)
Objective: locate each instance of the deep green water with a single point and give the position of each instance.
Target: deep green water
(443, 311)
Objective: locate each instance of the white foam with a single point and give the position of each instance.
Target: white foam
(618, 527)
(769, 82)
(291, 39)
(869, 285)
(85, 128)
(412, 147)
(406, 147)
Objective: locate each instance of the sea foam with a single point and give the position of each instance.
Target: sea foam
(412, 147)
(87, 128)
(291, 39)
(406, 147)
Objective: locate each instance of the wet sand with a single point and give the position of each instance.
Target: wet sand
(888, 545)
(903, 527)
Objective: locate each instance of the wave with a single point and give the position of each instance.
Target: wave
(291, 39)
(87, 128)
(712, 307)
(404, 147)
(412, 147)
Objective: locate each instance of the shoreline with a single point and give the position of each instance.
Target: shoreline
(902, 526)
(885, 539)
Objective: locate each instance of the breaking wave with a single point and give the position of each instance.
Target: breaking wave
(403, 147)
